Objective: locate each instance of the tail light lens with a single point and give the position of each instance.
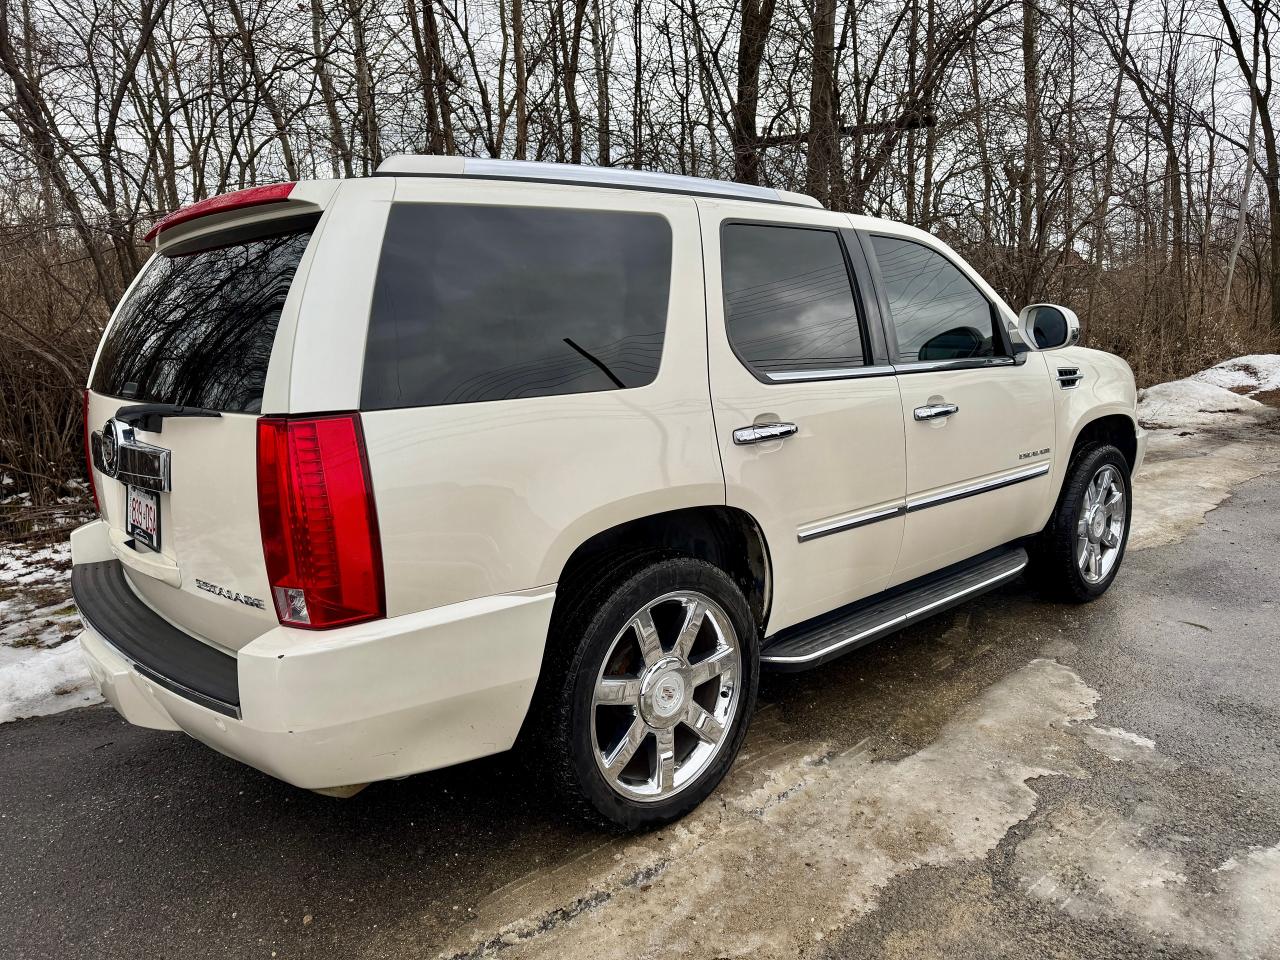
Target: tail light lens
(88, 457)
(319, 523)
(237, 200)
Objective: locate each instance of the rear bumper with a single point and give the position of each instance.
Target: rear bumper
(369, 702)
(1140, 454)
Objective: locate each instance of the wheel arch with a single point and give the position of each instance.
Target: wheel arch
(1119, 429)
(728, 537)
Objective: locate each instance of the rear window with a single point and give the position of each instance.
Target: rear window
(477, 303)
(197, 329)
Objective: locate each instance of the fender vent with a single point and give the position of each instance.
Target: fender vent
(1069, 377)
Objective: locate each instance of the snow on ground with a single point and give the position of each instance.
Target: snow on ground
(1212, 397)
(1256, 373)
(41, 670)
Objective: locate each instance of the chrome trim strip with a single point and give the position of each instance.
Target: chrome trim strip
(834, 373)
(982, 486)
(825, 529)
(901, 619)
(974, 363)
(173, 686)
(805, 534)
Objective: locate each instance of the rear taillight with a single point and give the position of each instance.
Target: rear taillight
(319, 524)
(88, 457)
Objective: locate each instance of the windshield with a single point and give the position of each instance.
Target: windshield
(198, 328)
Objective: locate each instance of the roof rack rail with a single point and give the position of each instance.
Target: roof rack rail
(411, 165)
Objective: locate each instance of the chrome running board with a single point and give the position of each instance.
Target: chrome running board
(842, 631)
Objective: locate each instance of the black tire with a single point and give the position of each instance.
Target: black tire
(1054, 558)
(561, 732)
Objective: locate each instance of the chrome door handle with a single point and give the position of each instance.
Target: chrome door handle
(934, 411)
(760, 432)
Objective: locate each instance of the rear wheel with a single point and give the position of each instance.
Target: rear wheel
(1079, 552)
(653, 703)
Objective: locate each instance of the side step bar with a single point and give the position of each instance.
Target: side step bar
(834, 634)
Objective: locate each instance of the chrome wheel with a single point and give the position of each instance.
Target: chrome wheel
(1100, 528)
(666, 696)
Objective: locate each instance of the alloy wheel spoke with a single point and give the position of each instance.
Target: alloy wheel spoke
(695, 613)
(712, 666)
(624, 751)
(618, 690)
(707, 728)
(1095, 491)
(647, 634)
(665, 774)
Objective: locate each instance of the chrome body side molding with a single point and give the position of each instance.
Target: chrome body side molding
(850, 522)
(980, 486)
(824, 528)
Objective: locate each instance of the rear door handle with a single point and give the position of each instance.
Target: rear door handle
(935, 411)
(760, 432)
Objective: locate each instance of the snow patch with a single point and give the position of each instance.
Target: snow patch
(35, 681)
(1191, 403)
(41, 668)
(1250, 374)
(19, 565)
(1221, 395)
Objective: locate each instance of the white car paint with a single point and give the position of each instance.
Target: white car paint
(481, 505)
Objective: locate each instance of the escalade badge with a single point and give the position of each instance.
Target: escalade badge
(226, 594)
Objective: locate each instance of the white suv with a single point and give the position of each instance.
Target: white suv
(393, 471)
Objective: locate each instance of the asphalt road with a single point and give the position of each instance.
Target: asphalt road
(1014, 778)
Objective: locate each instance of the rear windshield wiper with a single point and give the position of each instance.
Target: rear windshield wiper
(151, 416)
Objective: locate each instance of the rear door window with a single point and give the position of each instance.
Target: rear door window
(198, 327)
(788, 300)
(476, 303)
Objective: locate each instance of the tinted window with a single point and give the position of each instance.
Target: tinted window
(937, 312)
(479, 303)
(787, 298)
(198, 328)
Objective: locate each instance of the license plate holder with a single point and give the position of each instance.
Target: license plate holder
(142, 516)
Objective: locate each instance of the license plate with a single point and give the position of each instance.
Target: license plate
(142, 517)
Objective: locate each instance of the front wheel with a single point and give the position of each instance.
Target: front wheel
(656, 697)
(1079, 552)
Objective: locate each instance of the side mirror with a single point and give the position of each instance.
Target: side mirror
(1047, 326)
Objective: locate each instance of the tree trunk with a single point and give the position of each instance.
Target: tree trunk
(757, 18)
(822, 114)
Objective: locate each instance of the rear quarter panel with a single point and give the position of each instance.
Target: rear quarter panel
(485, 498)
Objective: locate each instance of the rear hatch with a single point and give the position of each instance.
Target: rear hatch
(179, 491)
